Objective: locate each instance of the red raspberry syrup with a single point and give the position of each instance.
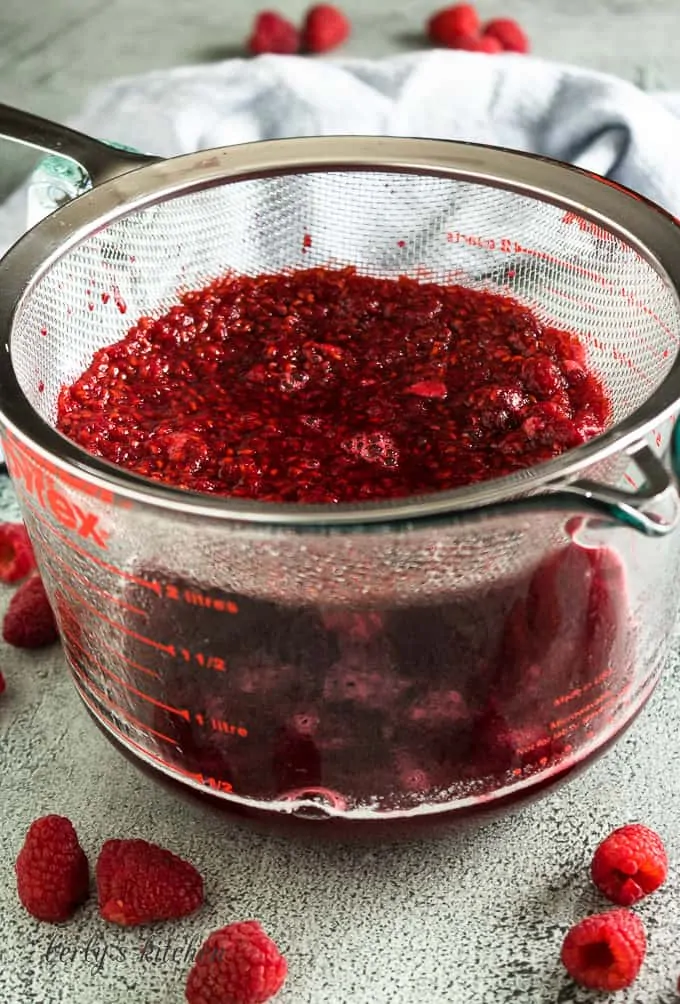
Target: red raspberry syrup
(327, 386)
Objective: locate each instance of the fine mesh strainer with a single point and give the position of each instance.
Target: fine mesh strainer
(232, 611)
(583, 254)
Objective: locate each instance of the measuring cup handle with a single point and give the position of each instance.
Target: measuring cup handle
(654, 507)
(100, 161)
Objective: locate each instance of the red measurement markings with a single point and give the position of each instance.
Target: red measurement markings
(580, 691)
(605, 706)
(220, 725)
(130, 662)
(89, 657)
(89, 585)
(127, 576)
(585, 712)
(537, 746)
(199, 599)
(168, 649)
(201, 779)
(593, 710)
(123, 712)
(209, 661)
(217, 784)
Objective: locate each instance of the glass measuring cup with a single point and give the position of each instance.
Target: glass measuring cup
(367, 665)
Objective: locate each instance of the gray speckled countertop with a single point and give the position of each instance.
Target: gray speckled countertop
(473, 919)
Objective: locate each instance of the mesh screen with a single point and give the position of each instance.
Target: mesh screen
(571, 272)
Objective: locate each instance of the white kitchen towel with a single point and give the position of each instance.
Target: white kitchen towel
(572, 114)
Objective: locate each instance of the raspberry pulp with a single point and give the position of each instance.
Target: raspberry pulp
(238, 964)
(630, 864)
(328, 386)
(606, 951)
(51, 870)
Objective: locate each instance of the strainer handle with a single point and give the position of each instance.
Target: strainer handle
(654, 507)
(100, 161)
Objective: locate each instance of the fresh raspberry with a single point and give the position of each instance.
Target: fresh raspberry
(139, 883)
(630, 864)
(508, 33)
(475, 43)
(449, 25)
(238, 964)
(605, 951)
(16, 553)
(273, 33)
(52, 870)
(325, 28)
(3, 685)
(29, 621)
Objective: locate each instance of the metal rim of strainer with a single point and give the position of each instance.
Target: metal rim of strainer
(652, 232)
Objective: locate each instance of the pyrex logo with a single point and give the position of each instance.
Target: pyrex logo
(43, 487)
